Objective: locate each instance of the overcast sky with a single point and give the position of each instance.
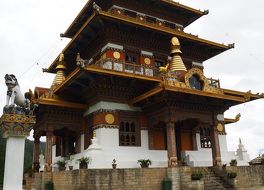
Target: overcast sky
(29, 41)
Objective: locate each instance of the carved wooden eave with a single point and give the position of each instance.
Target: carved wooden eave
(44, 96)
(241, 98)
(68, 79)
(231, 120)
(146, 95)
(156, 27)
(137, 22)
(79, 20)
(96, 69)
(60, 103)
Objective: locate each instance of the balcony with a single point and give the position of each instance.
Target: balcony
(145, 18)
(128, 68)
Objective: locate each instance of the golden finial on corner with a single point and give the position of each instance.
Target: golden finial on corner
(94, 134)
(61, 57)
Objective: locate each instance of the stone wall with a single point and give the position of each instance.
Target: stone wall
(119, 179)
(248, 177)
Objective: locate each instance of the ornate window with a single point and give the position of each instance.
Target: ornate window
(128, 135)
(205, 135)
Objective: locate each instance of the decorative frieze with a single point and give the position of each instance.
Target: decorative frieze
(16, 124)
(105, 126)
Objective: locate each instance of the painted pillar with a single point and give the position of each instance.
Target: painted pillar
(16, 128)
(48, 151)
(216, 154)
(171, 144)
(36, 152)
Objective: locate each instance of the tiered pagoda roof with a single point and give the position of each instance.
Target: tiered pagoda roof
(98, 20)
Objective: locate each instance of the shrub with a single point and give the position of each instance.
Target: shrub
(144, 163)
(233, 162)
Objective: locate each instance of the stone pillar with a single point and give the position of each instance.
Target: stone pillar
(36, 154)
(48, 151)
(16, 128)
(216, 154)
(171, 144)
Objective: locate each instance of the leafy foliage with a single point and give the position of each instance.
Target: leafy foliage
(84, 160)
(144, 163)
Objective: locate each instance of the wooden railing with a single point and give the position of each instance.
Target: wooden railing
(124, 67)
(145, 18)
(138, 69)
(214, 82)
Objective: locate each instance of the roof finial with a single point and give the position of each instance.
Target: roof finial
(240, 142)
(176, 66)
(60, 72)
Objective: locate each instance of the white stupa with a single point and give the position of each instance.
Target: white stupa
(241, 154)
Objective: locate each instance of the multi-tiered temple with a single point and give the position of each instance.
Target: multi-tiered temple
(130, 85)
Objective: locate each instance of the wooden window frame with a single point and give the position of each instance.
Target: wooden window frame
(127, 121)
(205, 137)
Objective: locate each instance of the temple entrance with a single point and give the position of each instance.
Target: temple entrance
(159, 137)
(185, 140)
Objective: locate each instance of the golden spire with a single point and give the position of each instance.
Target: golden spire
(60, 74)
(176, 63)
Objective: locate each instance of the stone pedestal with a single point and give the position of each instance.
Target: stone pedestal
(16, 128)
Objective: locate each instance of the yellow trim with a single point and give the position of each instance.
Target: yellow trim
(161, 29)
(117, 73)
(229, 120)
(239, 93)
(202, 93)
(146, 95)
(68, 79)
(147, 25)
(60, 103)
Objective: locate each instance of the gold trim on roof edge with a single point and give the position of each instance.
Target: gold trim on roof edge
(135, 21)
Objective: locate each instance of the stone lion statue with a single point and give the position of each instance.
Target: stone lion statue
(14, 95)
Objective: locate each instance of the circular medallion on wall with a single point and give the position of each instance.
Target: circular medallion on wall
(220, 127)
(116, 55)
(147, 61)
(109, 118)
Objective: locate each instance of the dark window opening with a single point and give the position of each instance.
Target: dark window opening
(127, 134)
(205, 135)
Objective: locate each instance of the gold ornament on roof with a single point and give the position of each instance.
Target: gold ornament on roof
(60, 74)
(175, 41)
(176, 63)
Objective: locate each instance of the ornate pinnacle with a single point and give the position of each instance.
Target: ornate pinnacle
(60, 74)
